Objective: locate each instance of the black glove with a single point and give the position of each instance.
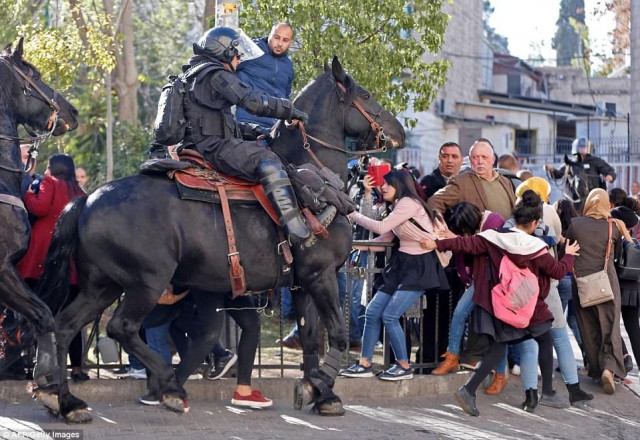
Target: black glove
(299, 115)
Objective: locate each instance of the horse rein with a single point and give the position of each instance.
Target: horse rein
(565, 180)
(27, 85)
(375, 128)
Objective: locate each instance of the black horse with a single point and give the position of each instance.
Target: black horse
(136, 235)
(578, 182)
(25, 100)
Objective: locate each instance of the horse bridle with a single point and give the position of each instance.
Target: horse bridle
(28, 85)
(565, 180)
(375, 128)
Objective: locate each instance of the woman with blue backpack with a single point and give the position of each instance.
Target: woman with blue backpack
(528, 258)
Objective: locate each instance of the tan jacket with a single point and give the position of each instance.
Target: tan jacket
(467, 187)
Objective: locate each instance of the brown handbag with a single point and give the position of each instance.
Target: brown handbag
(596, 288)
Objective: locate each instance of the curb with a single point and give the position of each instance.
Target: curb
(114, 390)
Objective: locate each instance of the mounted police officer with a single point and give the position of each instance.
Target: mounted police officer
(213, 130)
(598, 171)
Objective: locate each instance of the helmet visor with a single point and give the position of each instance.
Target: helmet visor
(246, 48)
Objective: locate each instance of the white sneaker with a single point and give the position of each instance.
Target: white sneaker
(132, 373)
(515, 370)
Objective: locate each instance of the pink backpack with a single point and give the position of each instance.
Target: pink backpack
(514, 297)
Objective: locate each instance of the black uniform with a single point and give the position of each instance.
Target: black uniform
(593, 166)
(213, 129)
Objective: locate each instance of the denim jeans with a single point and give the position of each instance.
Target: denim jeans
(564, 289)
(460, 315)
(564, 352)
(157, 341)
(387, 309)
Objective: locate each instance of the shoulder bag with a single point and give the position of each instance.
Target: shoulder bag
(595, 288)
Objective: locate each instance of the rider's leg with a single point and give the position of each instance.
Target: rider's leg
(278, 187)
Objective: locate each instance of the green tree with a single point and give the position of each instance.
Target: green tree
(382, 45)
(73, 42)
(570, 36)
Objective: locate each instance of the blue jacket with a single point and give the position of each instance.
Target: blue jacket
(271, 74)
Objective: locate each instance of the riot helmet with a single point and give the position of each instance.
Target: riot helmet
(581, 145)
(224, 44)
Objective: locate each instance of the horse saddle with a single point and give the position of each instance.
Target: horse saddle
(202, 182)
(205, 183)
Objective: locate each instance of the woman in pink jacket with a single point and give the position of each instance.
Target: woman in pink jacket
(408, 274)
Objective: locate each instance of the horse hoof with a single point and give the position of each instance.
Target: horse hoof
(79, 416)
(176, 404)
(331, 408)
(303, 394)
(49, 400)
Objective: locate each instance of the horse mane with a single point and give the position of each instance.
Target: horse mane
(322, 84)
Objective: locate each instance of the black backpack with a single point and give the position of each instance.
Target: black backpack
(170, 125)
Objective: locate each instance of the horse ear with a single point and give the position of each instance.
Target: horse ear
(338, 71)
(17, 53)
(7, 50)
(567, 161)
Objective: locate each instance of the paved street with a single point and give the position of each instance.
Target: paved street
(366, 418)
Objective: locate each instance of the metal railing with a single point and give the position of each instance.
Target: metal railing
(414, 323)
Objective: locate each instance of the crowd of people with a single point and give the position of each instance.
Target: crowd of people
(482, 214)
(451, 230)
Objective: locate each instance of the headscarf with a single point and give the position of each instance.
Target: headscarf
(597, 206)
(538, 185)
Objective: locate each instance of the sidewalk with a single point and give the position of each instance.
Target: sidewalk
(128, 390)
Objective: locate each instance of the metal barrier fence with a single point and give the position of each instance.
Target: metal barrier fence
(612, 149)
(427, 338)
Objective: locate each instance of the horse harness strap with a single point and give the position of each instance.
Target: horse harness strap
(236, 272)
(12, 200)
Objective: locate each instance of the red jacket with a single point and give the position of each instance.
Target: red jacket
(543, 267)
(46, 205)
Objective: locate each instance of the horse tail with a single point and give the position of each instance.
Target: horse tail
(53, 287)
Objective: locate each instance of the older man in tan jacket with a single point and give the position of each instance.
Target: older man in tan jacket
(483, 186)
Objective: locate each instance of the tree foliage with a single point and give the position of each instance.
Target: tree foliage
(569, 38)
(499, 43)
(381, 45)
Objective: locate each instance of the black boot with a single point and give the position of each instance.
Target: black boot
(280, 194)
(576, 394)
(467, 401)
(531, 400)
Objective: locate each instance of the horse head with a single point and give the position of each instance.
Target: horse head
(339, 107)
(577, 181)
(365, 119)
(33, 102)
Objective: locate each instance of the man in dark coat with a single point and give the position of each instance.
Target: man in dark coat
(213, 130)
(272, 73)
(598, 171)
(449, 163)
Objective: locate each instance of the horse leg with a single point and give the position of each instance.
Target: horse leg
(307, 320)
(124, 326)
(80, 312)
(17, 296)
(207, 326)
(325, 288)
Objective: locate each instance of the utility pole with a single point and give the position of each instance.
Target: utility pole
(227, 13)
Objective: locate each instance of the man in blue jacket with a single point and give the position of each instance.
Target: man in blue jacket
(271, 73)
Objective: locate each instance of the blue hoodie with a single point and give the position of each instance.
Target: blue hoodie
(269, 73)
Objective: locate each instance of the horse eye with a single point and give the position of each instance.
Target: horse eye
(365, 96)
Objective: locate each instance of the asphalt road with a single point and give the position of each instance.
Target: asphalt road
(606, 417)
